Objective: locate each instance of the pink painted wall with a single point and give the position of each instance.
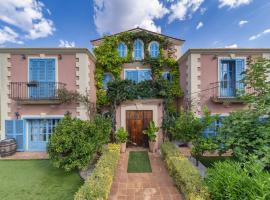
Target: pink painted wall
(66, 74)
(209, 74)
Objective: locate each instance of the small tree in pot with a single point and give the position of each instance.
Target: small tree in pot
(151, 133)
(121, 137)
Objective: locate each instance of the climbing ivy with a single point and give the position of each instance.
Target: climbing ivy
(109, 61)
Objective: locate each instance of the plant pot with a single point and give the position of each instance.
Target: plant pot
(152, 146)
(123, 147)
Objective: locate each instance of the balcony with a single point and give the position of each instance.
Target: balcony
(228, 91)
(36, 92)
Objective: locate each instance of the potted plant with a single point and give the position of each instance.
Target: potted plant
(121, 137)
(151, 134)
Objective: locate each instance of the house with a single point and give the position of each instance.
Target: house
(212, 78)
(135, 115)
(30, 79)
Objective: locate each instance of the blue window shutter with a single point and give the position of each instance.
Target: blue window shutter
(122, 50)
(154, 49)
(131, 75)
(106, 79)
(144, 75)
(240, 67)
(138, 50)
(15, 129)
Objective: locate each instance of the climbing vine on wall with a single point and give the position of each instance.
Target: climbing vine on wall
(108, 61)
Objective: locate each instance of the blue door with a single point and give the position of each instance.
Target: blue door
(39, 133)
(42, 78)
(15, 129)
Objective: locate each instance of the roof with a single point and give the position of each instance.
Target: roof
(48, 51)
(223, 50)
(178, 40)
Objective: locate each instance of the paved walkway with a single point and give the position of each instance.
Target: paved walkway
(143, 186)
(26, 156)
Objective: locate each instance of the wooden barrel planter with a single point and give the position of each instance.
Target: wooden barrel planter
(7, 147)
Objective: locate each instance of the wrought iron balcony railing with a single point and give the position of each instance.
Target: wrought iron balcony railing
(35, 91)
(229, 91)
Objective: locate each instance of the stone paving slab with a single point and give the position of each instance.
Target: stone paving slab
(157, 185)
(26, 156)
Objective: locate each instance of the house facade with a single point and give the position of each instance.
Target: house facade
(30, 81)
(32, 77)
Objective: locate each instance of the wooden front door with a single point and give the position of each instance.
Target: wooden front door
(136, 122)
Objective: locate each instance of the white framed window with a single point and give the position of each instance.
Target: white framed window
(137, 75)
(154, 49)
(122, 49)
(138, 49)
(167, 76)
(108, 77)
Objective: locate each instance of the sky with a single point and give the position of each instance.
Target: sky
(73, 23)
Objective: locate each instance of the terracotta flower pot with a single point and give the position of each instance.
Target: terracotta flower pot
(123, 147)
(152, 146)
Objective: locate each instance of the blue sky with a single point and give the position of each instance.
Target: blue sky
(202, 23)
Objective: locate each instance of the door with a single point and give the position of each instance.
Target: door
(136, 122)
(227, 75)
(42, 78)
(39, 132)
(15, 129)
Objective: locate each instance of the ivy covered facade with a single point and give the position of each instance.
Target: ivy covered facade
(137, 80)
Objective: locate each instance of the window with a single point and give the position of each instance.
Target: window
(138, 50)
(212, 130)
(122, 50)
(167, 76)
(154, 49)
(138, 75)
(106, 79)
(231, 75)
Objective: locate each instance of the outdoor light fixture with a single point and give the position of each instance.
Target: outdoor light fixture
(214, 57)
(23, 56)
(59, 56)
(17, 114)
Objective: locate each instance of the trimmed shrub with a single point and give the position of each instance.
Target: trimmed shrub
(232, 181)
(74, 143)
(98, 185)
(185, 175)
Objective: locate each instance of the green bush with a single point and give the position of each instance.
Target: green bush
(185, 175)
(98, 185)
(151, 131)
(74, 143)
(232, 181)
(121, 135)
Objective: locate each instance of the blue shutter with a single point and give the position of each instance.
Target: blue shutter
(144, 74)
(131, 75)
(240, 67)
(138, 50)
(122, 50)
(106, 79)
(15, 129)
(154, 50)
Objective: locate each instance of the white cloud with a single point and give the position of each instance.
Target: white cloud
(233, 3)
(200, 25)
(203, 10)
(66, 44)
(27, 16)
(113, 16)
(242, 23)
(184, 8)
(231, 46)
(8, 35)
(254, 37)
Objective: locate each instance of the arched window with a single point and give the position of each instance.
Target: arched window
(106, 79)
(122, 50)
(138, 49)
(154, 49)
(167, 76)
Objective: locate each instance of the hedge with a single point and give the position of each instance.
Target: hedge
(98, 185)
(184, 174)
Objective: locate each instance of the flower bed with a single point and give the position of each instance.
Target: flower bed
(98, 185)
(184, 174)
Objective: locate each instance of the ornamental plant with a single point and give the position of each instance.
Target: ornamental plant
(151, 131)
(121, 135)
(75, 143)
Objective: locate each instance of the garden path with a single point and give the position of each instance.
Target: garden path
(143, 186)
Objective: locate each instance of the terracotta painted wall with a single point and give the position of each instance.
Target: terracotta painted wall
(66, 74)
(209, 74)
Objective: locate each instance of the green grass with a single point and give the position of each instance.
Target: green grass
(36, 180)
(138, 162)
(208, 161)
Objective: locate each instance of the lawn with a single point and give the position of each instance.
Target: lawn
(36, 180)
(208, 161)
(138, 162)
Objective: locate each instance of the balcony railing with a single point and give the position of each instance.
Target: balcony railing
(230, 91)
(35, 91)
